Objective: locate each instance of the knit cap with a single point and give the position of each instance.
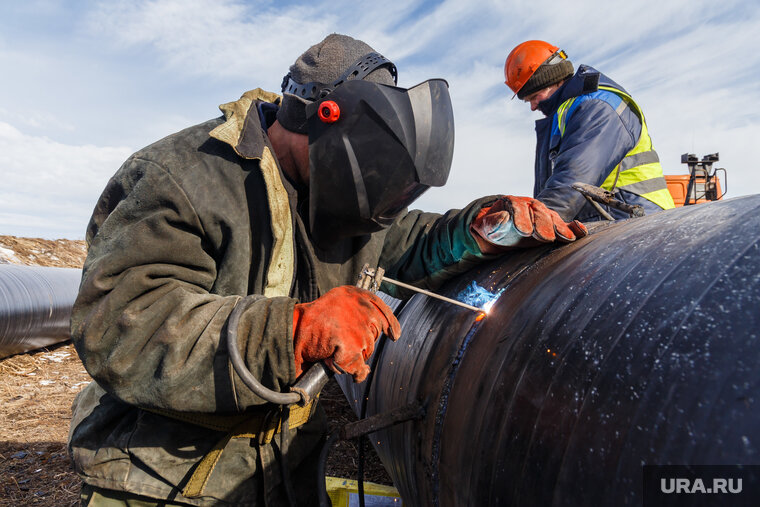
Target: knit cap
(545, 76)
(324, 62)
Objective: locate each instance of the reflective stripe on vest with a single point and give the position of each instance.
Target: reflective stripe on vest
(639, 172)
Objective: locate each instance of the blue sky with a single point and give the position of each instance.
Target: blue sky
(86, 83)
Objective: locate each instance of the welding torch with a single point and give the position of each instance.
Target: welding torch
(315, 378)
(371, 279)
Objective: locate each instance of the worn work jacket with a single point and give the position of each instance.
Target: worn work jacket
(595, 133)
(186, 227)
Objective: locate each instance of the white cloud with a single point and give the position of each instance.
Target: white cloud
(36, 120)
(212, 38)
(49, 188)
(129, 72)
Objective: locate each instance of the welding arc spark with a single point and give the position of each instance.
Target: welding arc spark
(481, 297)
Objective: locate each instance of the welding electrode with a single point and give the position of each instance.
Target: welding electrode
(371, 279)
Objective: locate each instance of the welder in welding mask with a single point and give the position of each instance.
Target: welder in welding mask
(267, 213)
(373, 149)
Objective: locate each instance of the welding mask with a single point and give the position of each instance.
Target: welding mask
(373, 150)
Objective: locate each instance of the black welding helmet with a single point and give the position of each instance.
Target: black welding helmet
(373, 150)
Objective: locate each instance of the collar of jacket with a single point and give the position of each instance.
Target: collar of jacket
(244, 133)
(242, 128)
(585, 80)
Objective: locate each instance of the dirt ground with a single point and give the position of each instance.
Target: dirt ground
(37, 389)
(61, 253)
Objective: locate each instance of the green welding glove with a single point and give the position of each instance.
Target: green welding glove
(340, 328)
(517, 222)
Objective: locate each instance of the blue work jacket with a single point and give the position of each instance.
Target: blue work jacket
(595, 140)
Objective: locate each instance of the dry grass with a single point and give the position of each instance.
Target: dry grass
(36, 391)
(62, 253)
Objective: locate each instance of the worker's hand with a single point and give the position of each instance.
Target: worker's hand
(516, 222)
(340, 328)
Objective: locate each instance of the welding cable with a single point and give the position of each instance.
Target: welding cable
(324, 499)
(237, 361)
(363, 414)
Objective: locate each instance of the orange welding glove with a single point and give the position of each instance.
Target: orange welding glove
(340, 328)
(516, 222)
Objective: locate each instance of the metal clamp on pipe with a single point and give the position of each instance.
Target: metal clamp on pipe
(413, 411)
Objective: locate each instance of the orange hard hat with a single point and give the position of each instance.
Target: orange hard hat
(524, 60)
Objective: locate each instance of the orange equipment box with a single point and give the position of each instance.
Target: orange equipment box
(678, 185)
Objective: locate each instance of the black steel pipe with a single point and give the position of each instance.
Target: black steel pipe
(35, 306)
(636, 345)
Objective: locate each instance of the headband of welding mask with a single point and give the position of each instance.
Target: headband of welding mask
(373, 150)
(313, 90)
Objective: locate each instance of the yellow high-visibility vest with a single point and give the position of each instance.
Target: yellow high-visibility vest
(639, 172)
